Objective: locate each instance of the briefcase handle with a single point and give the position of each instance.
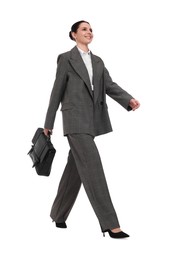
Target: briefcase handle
(49, 133)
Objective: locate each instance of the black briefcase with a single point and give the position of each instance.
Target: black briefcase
(42, 153)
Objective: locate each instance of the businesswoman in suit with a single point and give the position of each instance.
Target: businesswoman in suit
(81, 85)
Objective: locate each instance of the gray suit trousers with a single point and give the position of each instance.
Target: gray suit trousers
(84, 166)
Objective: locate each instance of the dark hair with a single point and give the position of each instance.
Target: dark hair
(75, 27)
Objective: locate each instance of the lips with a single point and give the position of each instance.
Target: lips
(88, 37)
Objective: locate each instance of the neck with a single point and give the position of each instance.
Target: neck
(83, 47)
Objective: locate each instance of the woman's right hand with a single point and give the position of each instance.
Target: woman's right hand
(47, 131)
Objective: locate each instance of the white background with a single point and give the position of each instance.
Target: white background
(135, 40)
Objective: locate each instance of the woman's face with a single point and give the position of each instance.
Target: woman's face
(84, 34)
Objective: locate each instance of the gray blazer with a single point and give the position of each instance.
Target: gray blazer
(83, 110)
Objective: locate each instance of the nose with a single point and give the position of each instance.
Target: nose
(89, 33)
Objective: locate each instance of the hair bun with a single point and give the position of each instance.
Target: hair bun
(70, 35)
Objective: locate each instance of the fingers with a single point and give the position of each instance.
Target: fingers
(47, 132)
(134, 104)
(137, 105)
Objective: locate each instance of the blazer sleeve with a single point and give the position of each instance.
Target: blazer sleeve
(116, 92)
(57, 92)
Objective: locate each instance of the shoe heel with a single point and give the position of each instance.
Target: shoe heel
(61, 225)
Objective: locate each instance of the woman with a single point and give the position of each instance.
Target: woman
(81, 85)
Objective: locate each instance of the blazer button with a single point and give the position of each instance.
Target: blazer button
(101, 103)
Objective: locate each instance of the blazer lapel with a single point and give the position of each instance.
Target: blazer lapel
(79, 66)
(97, 74)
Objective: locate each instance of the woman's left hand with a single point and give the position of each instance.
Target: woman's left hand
(134, 104)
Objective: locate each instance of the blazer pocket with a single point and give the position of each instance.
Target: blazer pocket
(103, 105)
(66, 106)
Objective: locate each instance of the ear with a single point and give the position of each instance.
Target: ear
(73, 35)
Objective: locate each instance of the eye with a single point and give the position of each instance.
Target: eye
(85, 29)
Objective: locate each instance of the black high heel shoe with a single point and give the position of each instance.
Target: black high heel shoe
(61, 225)
(120, 234)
